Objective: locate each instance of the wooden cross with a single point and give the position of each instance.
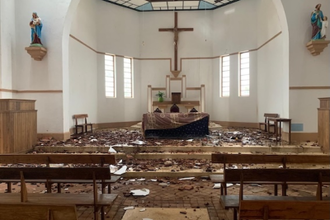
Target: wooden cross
(176, 31)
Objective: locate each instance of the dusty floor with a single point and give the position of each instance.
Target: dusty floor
(165, 192)
(168, 193)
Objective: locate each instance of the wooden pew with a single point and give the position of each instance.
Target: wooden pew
(48, 160)
(98, 201)
(251, 209)
(37, 212)
(278, 160)
(271, 176)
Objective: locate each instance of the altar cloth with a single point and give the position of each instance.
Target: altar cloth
(175, 125)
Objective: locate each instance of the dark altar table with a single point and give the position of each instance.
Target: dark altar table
(175, 125)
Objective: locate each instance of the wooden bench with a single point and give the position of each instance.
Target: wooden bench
(273, 176)
(264, 209)
(266, 124)
(37, 212)
(98, 201)
(49, 160)
(277, 160)
(81, 122)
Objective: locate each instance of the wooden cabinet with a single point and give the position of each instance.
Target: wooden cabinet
(324, 124)
(18, 125)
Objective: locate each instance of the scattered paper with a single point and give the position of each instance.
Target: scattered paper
(113, 168)
(111, 150)
(142, 210)
(147, 219)
(129, 208)
(187, 178)
(140, 192)
(217, 186)
(56, 165)
(121, 171)
(138, 142)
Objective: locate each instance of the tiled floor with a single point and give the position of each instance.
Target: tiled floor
(198, 193)
(202, 195)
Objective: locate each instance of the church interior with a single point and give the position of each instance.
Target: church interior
(190, 104)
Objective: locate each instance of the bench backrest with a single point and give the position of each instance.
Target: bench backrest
(57, 158)
(277, 175)
(269, 159)
(100, 173)
(263, 209)
(271, 115)
(37, 212)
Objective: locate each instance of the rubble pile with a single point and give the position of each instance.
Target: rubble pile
(129, 136)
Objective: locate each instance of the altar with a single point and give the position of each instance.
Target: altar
(175, 125)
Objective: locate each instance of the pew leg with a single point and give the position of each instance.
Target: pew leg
(235, 214)
(109, 189)
(284, 188)
(49, 187)
(9, 187)
(275, 190)
(221, 189)
(58, 187)
(96, 214)
(102, 213)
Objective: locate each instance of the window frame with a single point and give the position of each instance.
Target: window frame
(131, 77)
(242, 82)
(106, 83)
(222, 75)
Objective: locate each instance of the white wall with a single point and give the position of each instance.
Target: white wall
(118, 33)
(7, 45)
(235, 30)
(305, 69)
(138, 36)
(83, 63)
(237, 27)
(45, 75)
(273, 80)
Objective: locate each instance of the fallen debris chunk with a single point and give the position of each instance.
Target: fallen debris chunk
(111, 150)
(140, 192)
(217, 186)
(113, 168)
(129, 208)
(187, 178)
(121, 171)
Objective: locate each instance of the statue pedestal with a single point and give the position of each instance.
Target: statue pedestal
(37, 53)
(317, 46)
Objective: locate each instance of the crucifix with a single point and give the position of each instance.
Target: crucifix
(176, 31)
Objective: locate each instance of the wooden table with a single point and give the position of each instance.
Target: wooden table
(278, 127)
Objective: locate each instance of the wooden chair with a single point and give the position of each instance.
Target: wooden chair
(265, 124)
(84, 125)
